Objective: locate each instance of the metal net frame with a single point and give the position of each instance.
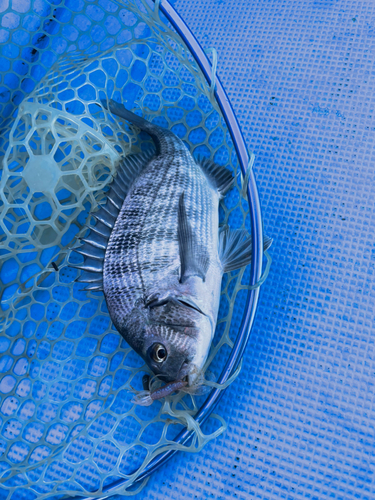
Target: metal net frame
(67, 378)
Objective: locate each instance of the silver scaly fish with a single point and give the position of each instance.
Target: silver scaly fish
(157, 253)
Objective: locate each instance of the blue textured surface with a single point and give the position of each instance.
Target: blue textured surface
(300, 75)
(59, 309)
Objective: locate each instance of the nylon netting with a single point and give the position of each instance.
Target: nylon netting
(67, 377)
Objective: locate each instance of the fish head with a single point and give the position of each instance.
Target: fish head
(177, 341)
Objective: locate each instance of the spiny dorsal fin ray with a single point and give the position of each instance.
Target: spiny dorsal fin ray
(100, 228)
(90, 277)
(89, 251)
(104, 218)
(95, 243)
(119, 192)
(117, 181)
(194, 258)
(110, 209)
(93, 288)
(119, 109)
(89, 264)
(115, 198)
(219, 177)
(235, 248)
(131, 166)
(96, 240)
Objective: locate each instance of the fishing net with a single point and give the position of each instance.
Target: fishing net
(68, 424)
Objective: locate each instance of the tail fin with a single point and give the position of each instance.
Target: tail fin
(157, 133)
(119, 109)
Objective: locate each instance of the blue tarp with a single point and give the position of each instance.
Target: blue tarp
(300, 76)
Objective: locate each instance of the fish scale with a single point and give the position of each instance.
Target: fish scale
(164, 257)
(147, 247)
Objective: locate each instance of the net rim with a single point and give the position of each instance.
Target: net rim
(252, 299)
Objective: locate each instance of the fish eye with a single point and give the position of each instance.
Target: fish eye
(159, 353)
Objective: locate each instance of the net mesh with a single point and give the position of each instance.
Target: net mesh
(68, 425)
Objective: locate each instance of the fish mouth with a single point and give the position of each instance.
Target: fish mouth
(183, 374)
(191, 379)
(189, 373)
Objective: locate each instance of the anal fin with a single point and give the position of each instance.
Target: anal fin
(219, 177)
(194, 258)
(235, 248)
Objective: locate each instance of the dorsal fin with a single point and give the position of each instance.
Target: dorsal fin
(219, 177)
(131, 166)
(95, 243)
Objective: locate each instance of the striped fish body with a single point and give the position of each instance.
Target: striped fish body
(157, 253)
(142, 256)
(142, 259)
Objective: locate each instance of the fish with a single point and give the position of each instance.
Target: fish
(158, 254)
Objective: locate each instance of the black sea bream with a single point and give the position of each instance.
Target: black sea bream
(157, 253)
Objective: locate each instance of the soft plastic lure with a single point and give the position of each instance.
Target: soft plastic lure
(204, 383)
(146, 398)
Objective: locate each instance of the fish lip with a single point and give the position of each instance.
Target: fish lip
(189, 373)
(183, 373)
(191, 378)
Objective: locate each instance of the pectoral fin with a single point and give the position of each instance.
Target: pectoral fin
(235, 248)
(194, 258)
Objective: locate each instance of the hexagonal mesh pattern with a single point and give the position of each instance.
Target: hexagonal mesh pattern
(67, 377)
